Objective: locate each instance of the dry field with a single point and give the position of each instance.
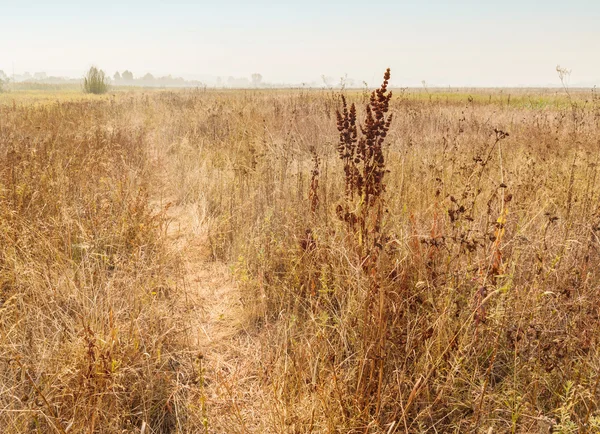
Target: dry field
(249, 262)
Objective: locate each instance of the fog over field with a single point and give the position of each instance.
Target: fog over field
(442, 43)
(298, 217)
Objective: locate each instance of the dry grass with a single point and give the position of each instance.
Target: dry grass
(88, 339)
(487, 308)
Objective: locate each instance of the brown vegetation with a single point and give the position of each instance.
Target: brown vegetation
(430, 265)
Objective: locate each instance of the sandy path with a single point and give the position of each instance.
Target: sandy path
(214, 311)
(210, 291)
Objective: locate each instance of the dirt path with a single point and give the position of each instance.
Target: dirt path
(217, 331)
(209, 289)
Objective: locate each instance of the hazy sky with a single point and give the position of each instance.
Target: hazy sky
(458, 43)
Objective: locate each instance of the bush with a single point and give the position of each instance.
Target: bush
(95, 81)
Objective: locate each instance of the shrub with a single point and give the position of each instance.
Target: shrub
(95, 81)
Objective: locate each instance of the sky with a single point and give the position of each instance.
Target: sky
(443, 43)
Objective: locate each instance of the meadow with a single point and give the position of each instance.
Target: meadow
(277, 261)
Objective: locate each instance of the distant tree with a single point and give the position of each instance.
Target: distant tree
(328, 81)
(117, 76)
(127, 75)
(40, 76)
(241, 82)
(256, 79)
(564, 75)
(148, 77)
(3, 76)
(95, 81)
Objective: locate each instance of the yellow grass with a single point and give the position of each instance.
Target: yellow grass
(155, 274)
